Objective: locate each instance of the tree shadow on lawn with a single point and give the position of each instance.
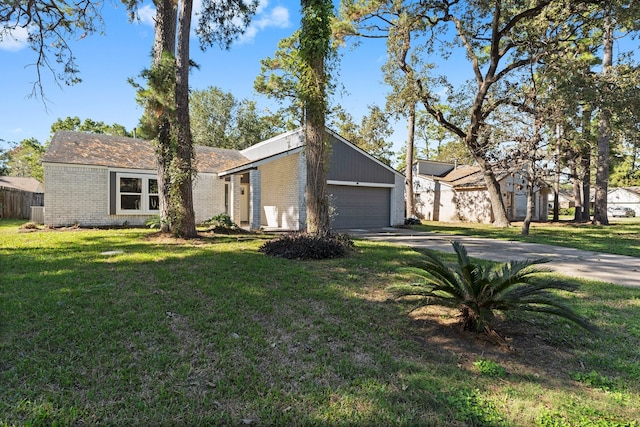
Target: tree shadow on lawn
(215, 332)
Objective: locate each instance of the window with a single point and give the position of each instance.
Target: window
(136, 194)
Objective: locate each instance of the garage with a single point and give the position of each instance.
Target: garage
(360, 207)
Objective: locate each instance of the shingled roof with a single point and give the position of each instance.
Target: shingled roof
(21, 183)
(466, 177)
(84, 148)
(634, 190)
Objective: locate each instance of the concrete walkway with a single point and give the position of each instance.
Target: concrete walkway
(619, 269)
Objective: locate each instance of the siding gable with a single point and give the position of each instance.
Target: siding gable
(348, 164)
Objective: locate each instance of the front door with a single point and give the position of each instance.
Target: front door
(244, 203)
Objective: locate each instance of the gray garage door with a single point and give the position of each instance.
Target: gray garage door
(360, 207)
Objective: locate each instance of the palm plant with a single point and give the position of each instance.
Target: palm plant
(479, 292)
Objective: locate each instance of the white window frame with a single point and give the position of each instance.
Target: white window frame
(144, 208)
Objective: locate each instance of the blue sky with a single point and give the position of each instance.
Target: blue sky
(107, 61)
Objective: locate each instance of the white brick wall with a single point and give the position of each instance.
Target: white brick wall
(302, 189)
(424, 194)
(255, 206)
(279, 188)
(208, 197)
(397, 201)
(234, 192)
(453, 206)
(80, 195)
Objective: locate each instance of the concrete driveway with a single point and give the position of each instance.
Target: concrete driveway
(618, 269)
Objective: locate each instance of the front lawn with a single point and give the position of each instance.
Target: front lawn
(126, 327)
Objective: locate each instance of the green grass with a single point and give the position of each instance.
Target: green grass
(212, 332)
(622, 237)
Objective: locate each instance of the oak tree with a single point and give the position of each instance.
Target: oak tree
(497, 39)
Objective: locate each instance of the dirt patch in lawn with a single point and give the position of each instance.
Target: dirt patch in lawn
(526, 350)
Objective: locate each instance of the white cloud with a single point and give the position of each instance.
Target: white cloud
(147, 14)
(13, 39)
(262, 6)
(278, 17)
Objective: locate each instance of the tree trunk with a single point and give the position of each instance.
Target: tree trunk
(164, 41)
(499, 212)
(585, 163)
(165, 29)
(577, 187)
(186, 226)
(586, 186)
(526, 224)
(410, 198)
(604, 132)
(164, 158)
(556, 182)
(530, 176)
(478, 147)
(318, 221)
(315, 37)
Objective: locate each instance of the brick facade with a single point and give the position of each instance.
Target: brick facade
(397, 213)
(208, 197)
(280, 182)
(255, 205)
(80, 195)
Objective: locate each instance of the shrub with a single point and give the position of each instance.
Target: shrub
(153, 222)
(308, 246)
(222, 223)
(479, 292)
(567, 211)
(222, 220)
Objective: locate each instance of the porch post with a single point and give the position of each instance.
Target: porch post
(302, 188)
(234, 193)
(397, 214)
(254, 201)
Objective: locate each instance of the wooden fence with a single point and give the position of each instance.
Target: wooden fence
(17, 204)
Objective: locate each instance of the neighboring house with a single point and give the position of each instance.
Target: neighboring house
(565, 199)
(449, 192)
(19, 196)
(28, 184)
(100, 180)
(624, 197)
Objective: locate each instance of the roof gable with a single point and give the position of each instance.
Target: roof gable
(433, 168)
(293, 141)
(463, 176)
(362, 152)
(273, 146)
(633, 191)
(348, 163)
